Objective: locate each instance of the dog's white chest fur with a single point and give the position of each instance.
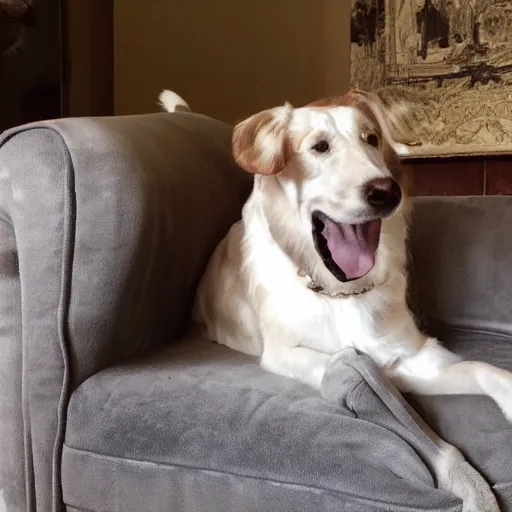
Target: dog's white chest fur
(253, 299)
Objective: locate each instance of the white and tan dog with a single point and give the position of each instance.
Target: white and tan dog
(318, 261)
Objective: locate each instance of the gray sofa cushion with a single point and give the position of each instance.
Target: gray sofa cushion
(462, 266)
(474, 423)
(462, 289)
(204, 428)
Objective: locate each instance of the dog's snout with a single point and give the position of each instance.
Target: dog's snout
(383, 194)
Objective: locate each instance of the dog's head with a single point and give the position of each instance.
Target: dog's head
(330, 172)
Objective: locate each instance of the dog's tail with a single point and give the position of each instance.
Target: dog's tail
(172, 102)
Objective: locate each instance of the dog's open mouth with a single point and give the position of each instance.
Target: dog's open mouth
(347, 250)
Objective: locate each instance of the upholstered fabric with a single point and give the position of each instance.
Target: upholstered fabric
(105, 228)
(207, 425)
(208, 431)
(474, 423)
(33, 181)
(462, 251)
(12, 470)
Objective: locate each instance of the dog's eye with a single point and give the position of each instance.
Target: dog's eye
(372, 139)
(321, 146)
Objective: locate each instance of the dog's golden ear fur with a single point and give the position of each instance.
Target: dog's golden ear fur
(260, 143)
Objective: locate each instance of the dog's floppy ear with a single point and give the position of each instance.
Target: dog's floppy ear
(260, 143)
(392, 120)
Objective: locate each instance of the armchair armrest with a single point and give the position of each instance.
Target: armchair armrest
(106, 225)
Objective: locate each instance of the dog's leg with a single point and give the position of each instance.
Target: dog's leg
(284, 355)
(434, 370)
(457, 476)
(453, 472)
(300, 363)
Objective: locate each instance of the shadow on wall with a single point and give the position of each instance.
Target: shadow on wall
(30, 61)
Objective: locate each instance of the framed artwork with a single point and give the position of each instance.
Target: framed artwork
(451, 59)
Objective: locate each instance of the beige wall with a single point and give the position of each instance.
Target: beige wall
(229, 58)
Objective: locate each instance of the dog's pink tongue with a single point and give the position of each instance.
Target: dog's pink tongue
(353, 246)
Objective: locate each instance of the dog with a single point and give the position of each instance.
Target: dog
(317, 264)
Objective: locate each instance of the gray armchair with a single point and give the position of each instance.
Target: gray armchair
(106, 406)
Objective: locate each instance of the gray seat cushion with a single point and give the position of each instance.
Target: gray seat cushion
(474, 423)
(204, 428)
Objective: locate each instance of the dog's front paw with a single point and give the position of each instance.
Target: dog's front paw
(507, 409)
(501, 391)
(478, 503)
(459, 477)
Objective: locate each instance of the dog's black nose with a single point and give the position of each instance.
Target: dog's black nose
(383, 194)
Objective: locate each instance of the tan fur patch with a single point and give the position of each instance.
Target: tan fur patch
(260, 143)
